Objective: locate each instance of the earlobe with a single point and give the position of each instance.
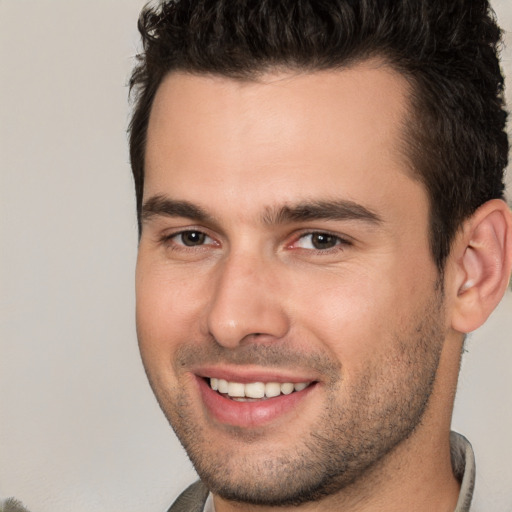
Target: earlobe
(484, 265)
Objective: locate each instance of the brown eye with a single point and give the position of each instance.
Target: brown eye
(323, 240)
(191, 238)
(318, 241)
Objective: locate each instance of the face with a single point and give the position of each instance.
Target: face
(288, 312)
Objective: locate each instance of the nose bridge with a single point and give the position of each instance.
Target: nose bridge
(246, 300)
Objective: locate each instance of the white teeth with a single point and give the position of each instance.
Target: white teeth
(272, 389)
(223, 386)
(255, 390)
(238, 390)
(287, 388)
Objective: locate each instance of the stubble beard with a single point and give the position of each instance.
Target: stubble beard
(350, 438)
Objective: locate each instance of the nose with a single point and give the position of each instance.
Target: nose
(246, 303)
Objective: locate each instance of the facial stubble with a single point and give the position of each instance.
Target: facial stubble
(351, 436)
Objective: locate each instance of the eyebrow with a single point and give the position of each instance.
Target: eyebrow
(339, 209)
(166, 207)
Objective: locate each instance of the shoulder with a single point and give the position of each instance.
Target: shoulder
(191, 499)
(11, 505)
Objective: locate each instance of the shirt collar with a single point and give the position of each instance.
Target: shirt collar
(463, 463)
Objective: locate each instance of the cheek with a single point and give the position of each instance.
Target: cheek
(167, 309)
(357, 317)
(346, 320)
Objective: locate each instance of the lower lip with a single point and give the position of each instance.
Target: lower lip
(249, 414)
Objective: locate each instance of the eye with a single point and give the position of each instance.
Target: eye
(318, 241)
(191, 238)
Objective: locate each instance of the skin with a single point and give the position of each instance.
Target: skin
(364, 317)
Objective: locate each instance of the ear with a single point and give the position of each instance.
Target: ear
(483, 260)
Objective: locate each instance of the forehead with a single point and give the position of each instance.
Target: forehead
(281, 137)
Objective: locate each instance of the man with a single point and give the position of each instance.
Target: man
(320, 199)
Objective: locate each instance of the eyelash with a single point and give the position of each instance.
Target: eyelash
(169, 239)
(339, 242)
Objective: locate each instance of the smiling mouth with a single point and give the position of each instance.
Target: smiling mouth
(253, 391)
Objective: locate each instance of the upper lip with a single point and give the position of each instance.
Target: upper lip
(247, 374)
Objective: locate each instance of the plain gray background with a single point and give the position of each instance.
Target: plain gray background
(80, 429)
